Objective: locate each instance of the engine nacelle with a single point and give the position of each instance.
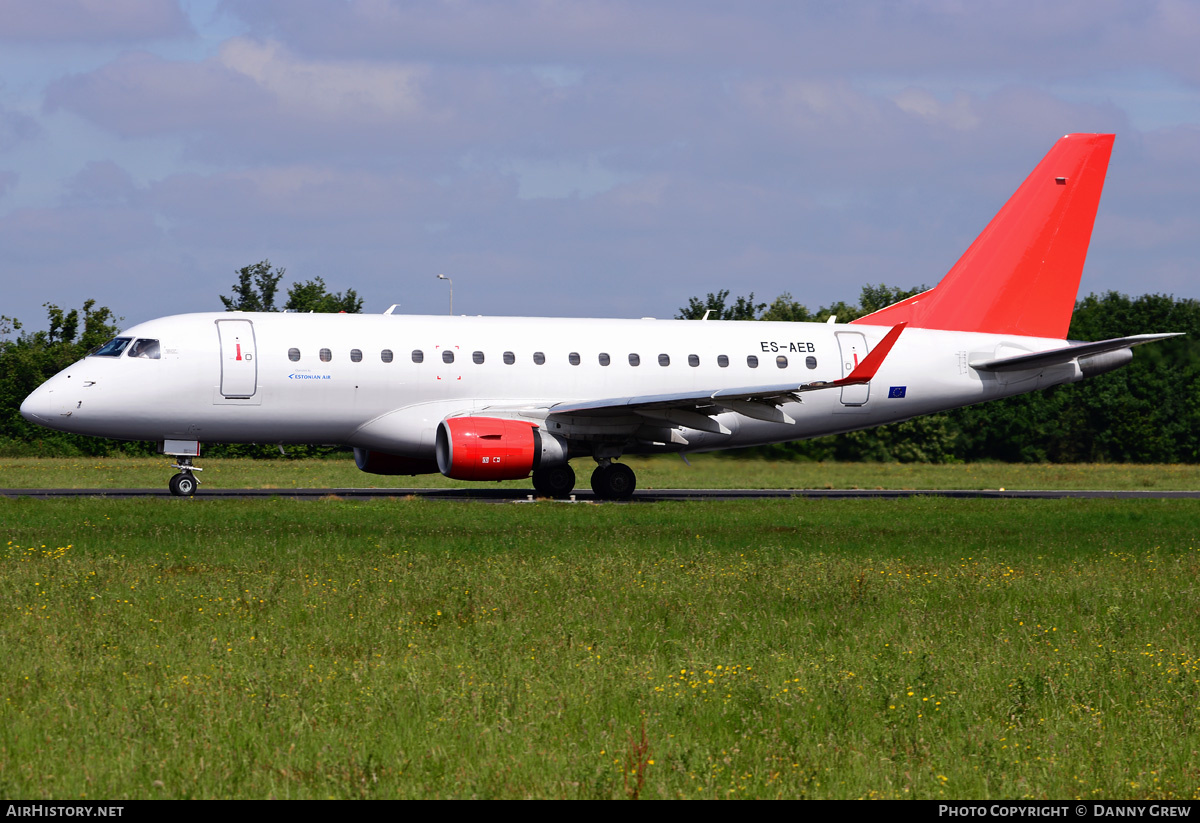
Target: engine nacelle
(492, 448)
(374, 462)
(1104, 363)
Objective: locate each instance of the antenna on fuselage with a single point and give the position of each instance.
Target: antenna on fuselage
(392, 308)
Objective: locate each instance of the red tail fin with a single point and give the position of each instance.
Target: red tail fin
(1021, 275)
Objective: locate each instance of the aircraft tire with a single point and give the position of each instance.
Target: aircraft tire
(616, 481)
(183, 485)
(556, 481)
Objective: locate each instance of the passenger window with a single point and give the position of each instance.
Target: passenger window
(112, 348)
(447, 356)
(781, 362)
(539, 358)
(386, 355)
(693, 360)
(326, 355)
(752, 361)
(634, 360)
(509, 358)
(664, 360)
(573, 358)
(477, 357)
(147, 349)
(604, 358)
(418, 356)
(810, 362)
(356, 355)
(294, 355)
(722, 361)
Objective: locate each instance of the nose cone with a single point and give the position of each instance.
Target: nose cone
(37, 406)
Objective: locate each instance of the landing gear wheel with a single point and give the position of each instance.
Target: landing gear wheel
(556, 481)
(183, 484)
(615, 481)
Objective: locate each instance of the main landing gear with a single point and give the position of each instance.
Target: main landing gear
(610, 481)
(613, 481)
(184, 484)
(556, 481)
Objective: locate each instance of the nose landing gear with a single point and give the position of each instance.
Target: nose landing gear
(185, 483)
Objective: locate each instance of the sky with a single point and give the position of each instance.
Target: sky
(575, 159)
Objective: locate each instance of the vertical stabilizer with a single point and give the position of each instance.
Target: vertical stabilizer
(1021, 275)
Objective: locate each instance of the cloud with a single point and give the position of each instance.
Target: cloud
(256, 99)
(91, 21)
(480, 32)
(16, 128)
(602, 158)
(322, 90)
(101, 181)
(957, 113)
(141, 94)
(1066, 38)
(69, 234)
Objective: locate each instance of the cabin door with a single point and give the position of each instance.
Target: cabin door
(853, 348)
(239, 358)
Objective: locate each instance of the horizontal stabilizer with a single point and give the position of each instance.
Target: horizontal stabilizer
(1066, 354)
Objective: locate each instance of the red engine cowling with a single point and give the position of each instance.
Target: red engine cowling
(373, 462)
(486, 448)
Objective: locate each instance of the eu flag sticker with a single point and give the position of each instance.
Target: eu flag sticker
(897, 391)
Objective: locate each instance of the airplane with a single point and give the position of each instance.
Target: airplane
(501, 398)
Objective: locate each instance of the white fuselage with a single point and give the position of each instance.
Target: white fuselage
(234, 377)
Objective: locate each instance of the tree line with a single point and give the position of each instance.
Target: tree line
(1146, 412)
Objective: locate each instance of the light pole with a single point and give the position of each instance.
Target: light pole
(451, 282)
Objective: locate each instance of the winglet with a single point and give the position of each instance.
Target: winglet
(865, 370)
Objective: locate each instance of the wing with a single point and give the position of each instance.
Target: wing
(694, 409)
(1067, 353)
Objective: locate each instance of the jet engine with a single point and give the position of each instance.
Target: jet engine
(491, 448)
(374, 462)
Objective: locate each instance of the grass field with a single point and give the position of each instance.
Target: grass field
(706, 471)
(405, 648)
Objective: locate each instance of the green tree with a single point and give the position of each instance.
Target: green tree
(785, 308)
(258, 284)
(1145, 412)
(743, 308)
(255, 289)
(28, 359)
(312, 296)
(874, 298)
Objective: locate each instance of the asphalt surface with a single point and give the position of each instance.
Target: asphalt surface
(586, 496)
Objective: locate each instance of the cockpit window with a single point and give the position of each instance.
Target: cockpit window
(145, 348)
(112, 348)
